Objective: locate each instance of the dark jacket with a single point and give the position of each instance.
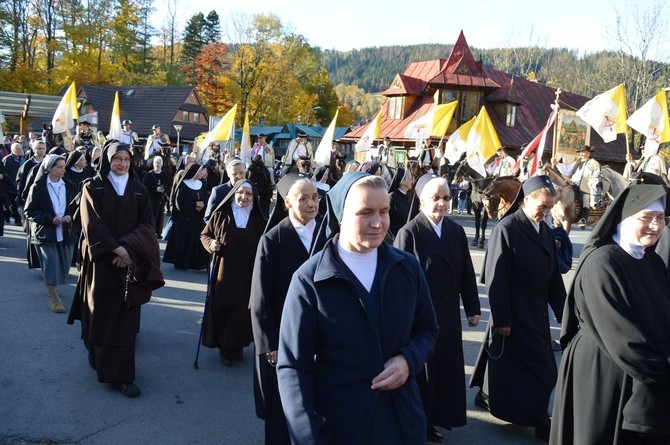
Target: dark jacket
(40, 212)
(327, 398)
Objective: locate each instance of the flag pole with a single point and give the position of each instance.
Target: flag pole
(555, 136)
(627, 145)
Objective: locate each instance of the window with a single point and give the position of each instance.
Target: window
(469, 103)
(196, 117)
(510, 115)
(396, 107)
(184, 116)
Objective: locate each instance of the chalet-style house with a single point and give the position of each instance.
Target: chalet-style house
(518, 108)
(147, 106)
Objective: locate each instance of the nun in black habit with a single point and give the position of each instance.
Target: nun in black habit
(401, 194)
(76, 167)
(516, 367)
(231, 236)
(183, 249)
(441, 247)
(281, 251)
(614, 380)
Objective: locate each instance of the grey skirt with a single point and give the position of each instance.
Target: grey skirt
(55, 260)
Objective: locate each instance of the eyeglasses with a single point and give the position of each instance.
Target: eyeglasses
(307, 199)
(648, 220)
(121, 160)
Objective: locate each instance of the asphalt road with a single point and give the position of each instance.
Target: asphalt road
(49, 395)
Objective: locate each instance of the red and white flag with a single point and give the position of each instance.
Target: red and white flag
(538, 143)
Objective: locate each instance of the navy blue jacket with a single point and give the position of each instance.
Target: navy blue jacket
(329, 351)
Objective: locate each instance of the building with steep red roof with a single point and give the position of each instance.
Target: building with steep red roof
(518, 108)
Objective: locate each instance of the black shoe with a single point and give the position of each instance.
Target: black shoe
(482, 400)
(434, 436)
(128, 389)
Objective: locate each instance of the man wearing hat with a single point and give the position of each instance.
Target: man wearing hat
(128, 136)
(585, 169)
(298, 147)
(502, 165)
(266, 152)
(85, 137)
(155, 141)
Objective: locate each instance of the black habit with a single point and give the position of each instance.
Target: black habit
(280, 253)
(521, 277)
(152, 181)
(448, 268)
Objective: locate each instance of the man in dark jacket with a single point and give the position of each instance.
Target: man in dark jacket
(357, 326)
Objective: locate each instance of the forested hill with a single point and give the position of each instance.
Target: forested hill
(373, 69)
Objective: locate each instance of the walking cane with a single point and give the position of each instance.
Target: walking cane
(210, 279)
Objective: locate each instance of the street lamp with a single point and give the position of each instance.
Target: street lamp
(2, 121)
(178, 128)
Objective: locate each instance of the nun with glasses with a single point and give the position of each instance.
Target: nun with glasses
(51, 231)
(284, 247)
(183, 248)
(356, 328)
(231, 236)
(441, 247)
(614, 380)
(516, 367)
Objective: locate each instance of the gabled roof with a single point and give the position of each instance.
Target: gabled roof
(403, 85)
(461, 70)
(147, 106)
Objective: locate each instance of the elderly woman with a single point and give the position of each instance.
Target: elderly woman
(516, 367)
(51, 225)
(282, 250)
(231, 235)
(183, 249)
(401, 199)
(614, 381)
(158, 184)
(441, 247)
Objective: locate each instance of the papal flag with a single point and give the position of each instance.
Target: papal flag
(434, 123)
(482, 141)
(456, 144)
(67, 111)
(606, 113)
(245, 142)
(651, 120)
(221, 132)
(322, 153)
(371, 133)
(537, 145)
(115, 123)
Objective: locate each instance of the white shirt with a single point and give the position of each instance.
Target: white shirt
(300, 150)
(436, 227)
(118, 182)
(305, 232)
(362, 265)
(58, 200)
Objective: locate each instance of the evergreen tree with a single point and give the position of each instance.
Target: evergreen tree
(212, 28)
(193, 39)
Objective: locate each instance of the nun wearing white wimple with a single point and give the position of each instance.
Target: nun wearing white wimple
(614, 380)
(51, 224)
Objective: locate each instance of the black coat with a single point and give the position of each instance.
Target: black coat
(40, 212)
(521, 276)
(448, 268)
(614, 380)
(280, 253)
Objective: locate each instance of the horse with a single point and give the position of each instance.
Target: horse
(479, 184)
(564, 213)
(500, 194)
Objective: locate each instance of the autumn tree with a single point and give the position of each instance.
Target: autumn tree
(217, 90)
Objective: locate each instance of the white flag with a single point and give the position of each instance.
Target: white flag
(371, 133)
(422, 127)
(67, 111)
(456, 144)
(606, 113)
(322, 153)
(651, 120)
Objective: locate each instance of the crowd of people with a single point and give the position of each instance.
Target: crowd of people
(350, 288)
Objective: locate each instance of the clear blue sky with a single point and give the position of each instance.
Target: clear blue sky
(583, 25)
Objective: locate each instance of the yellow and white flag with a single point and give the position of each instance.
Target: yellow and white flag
(651, 120)
(371, 133)
(456, 144)
(322, 153)
(245, 142)
(434, 123)
(67, 111)
(221, 132)
(482, 141)
(115, 123)
(606, 113)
